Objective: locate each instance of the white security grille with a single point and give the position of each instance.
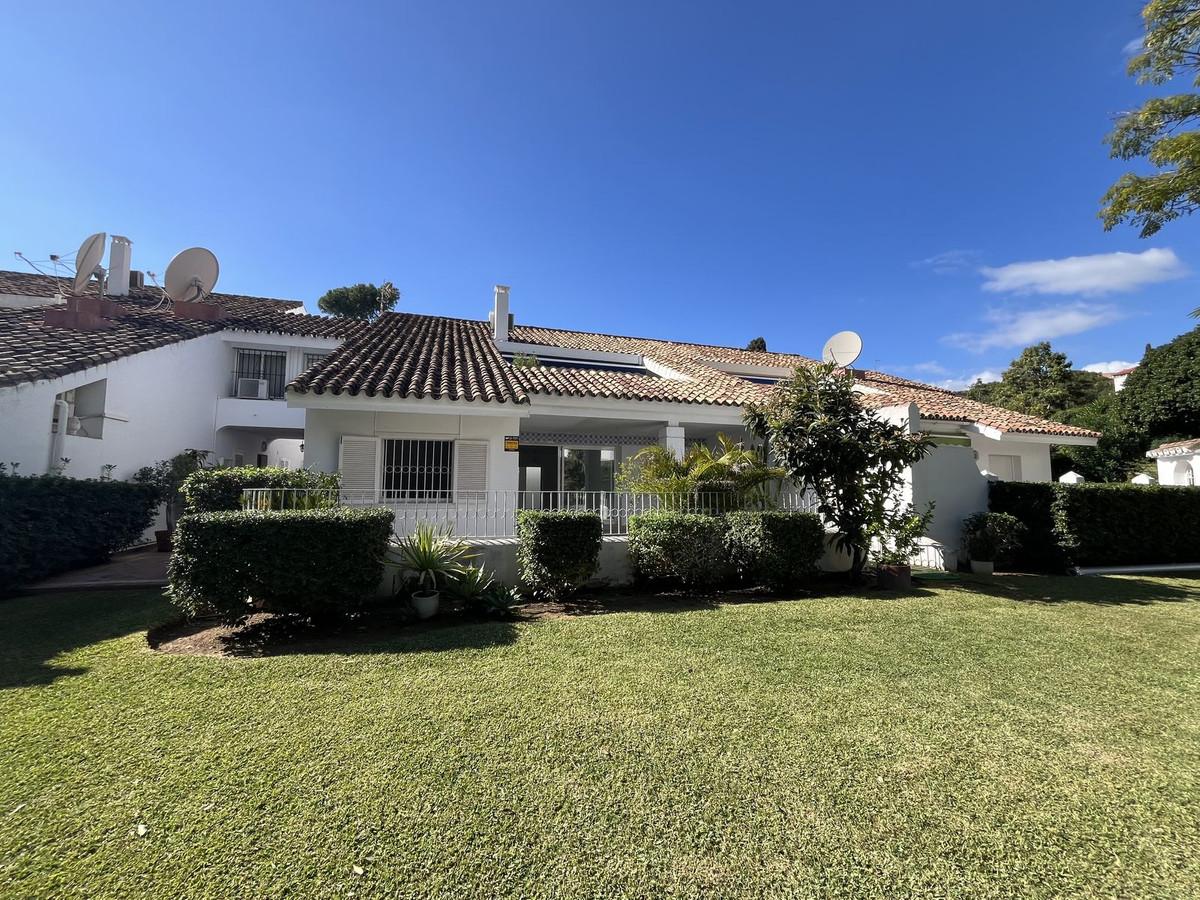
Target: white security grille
(418, 470)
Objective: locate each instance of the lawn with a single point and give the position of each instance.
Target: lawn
(1032, 737)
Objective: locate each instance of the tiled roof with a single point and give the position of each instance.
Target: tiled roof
(1175, 448)
(409, 355)
(30, 350)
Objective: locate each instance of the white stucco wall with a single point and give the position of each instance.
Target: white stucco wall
(1174, 469)
(950, 478)
(323, 429)
(1035, 457)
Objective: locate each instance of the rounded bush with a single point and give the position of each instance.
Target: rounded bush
(776, 549)
(558, 550)
(316, 563)
(682, 548)
(214, 490)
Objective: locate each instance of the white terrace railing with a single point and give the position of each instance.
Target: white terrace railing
(493, 514)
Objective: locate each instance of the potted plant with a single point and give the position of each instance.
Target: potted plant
(434, 559)
(989, 535)
(894, 542)
(166, 477)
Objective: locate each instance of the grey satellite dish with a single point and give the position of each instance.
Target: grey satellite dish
(842, 349)
(86, 261)
(191, 275)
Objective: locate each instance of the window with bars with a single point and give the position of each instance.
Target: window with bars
(418, 470)
(269, 365)
(311, 359)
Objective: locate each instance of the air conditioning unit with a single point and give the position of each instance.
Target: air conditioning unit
(252, 388)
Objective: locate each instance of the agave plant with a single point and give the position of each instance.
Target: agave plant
(432, 555)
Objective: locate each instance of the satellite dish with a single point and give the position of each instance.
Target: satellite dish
(842, 349)
(191, 275)
(86, 261)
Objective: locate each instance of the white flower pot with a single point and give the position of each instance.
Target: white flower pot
(425, 603)
(980, 567)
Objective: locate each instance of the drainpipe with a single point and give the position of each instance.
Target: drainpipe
(61, 410)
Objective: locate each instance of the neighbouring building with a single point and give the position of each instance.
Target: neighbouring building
(1178, 462)
(425, 411)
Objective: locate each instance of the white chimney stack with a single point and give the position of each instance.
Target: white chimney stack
(500, 317)
(118, 266)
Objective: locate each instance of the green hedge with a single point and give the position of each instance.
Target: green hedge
(51, 524)
(1032, 503)
(214, 490)
(682, 548)
(776, 549)
(558, 550)
(316, 563)
(1102, 524)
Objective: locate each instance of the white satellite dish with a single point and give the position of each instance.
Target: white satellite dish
(191, 275)
(86, 261)
(842, 349)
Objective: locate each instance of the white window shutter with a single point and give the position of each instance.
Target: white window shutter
(470, 465)
(358, 461)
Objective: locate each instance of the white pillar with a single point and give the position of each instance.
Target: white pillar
(671, 437)
(500, 314)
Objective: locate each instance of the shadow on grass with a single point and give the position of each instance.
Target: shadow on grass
(37, 628)
(1104, 590)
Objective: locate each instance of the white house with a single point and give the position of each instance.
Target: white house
(461, 418)
(1178, 462)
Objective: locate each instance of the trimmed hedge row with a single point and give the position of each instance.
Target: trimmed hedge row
(558, 550)
(317, 563)
(214, 490)
(685, 548)
(1101, 524)
(51, 524)
(776, 549)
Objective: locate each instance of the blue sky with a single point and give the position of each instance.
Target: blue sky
(707, 172)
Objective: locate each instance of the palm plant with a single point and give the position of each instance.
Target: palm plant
(728, 468)
(431, 555)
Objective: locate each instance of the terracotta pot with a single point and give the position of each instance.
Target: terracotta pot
(982, 567)
(163, 538)
(425, 603)
(894, 578)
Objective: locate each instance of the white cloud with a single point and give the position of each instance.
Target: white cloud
(1134, 47)
(929, 368)
(1113, 365)
(1090, 276)
(961, 384)
(1017, 328)
(949, 261)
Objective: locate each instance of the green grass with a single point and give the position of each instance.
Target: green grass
(1037, 737)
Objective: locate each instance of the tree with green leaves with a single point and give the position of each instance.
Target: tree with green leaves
(851, 459)
(1118, 452)
(758, 343)
(1041, 382)
(359, 301)
(1162, 395)
(1162, 130)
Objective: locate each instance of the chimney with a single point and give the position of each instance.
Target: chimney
(118, 266)
(501, 320)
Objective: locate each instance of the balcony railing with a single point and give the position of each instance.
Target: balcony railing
(493, 514)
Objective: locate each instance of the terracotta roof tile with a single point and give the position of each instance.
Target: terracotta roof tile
(410, 355)
(29, 350)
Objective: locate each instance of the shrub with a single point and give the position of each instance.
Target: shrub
(213, 490)
(51, 524)
(684, 548)
(991, 535)
(1102, 524)
(1127, 524)
(558, 551)
(314, 563)
(777, 549)
(1032, 504)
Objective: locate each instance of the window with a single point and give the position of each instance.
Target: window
(269, 365)
(311, 359)
(418, 470)
(1005, 467)
(588, 469)
(85, 410)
